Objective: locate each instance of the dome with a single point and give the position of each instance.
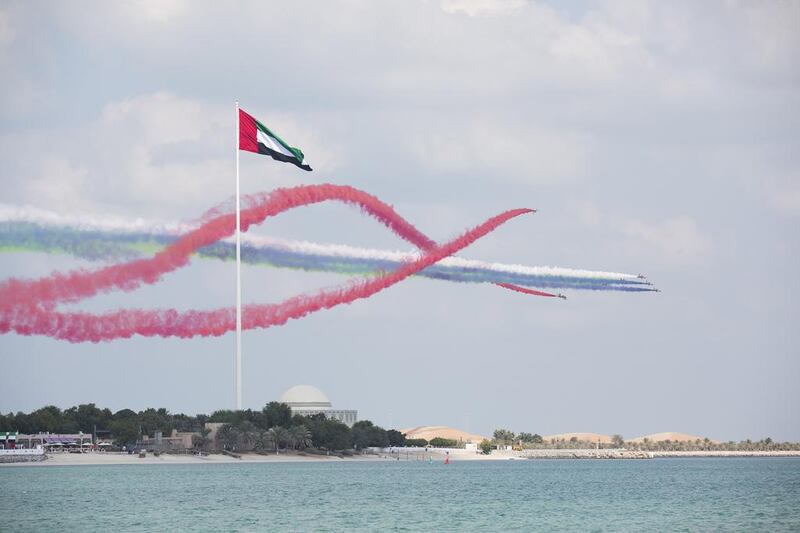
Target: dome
(305, 397)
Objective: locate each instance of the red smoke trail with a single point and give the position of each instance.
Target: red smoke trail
(27, 307)
(525, 290)
(79, 285)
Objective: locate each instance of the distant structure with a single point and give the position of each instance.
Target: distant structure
(307, 400)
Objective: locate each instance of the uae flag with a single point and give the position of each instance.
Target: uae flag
(257, 138)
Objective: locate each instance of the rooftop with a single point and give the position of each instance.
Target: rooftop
(307, 396)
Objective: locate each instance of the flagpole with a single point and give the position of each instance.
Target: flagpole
(238, 372)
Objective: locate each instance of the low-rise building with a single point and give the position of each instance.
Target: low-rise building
(8, 440)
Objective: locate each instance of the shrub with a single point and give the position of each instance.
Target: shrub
(439, 442)
(486, 447)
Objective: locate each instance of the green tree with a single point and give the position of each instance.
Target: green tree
(124, 414)
(152, 420)
(504, 436)
(277, 414)
(247, 435)
(228, 437)
(364, 434)
(201, 441)
(225, 416)
(277, 435)
(88, 416)
(395, 438)
(300, 437)
(486, 447)
(20, 422)
(47, 419)
(439, 442)
(617, 441)
(124, 431)
(262, 440)
(325, 433)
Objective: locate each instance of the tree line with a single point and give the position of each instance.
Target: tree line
(524, 440)
(274, 427)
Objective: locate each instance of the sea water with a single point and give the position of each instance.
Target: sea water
(524, 495)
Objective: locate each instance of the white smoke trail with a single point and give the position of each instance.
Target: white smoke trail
(115, 225)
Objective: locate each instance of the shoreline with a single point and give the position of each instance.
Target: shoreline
(736, 453)
(435, 455)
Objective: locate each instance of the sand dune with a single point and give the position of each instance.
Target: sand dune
(444, 432)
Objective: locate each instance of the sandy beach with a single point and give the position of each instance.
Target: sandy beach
(110, 458)
(113, 458)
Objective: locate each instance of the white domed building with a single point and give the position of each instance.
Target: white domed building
(307, 400)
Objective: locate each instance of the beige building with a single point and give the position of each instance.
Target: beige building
(307, 400)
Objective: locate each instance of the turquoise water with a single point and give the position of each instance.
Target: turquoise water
(662, 494)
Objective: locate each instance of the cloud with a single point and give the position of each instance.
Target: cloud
(7, 32)
(677, 239)
(475, 8)
(587, 213)
(24, 63)
(773, 36)
(598, 49)
(503, 148)
(56, 181)
(157, 10)
(157, 152)
(131, 133)
(784, 194)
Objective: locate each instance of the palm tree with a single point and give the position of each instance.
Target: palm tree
(228, 436)
(277, 435)
(262, 440)
(300, 436)
(247, 435)
(201, 441)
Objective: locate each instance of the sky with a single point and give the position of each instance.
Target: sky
(660, 138)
